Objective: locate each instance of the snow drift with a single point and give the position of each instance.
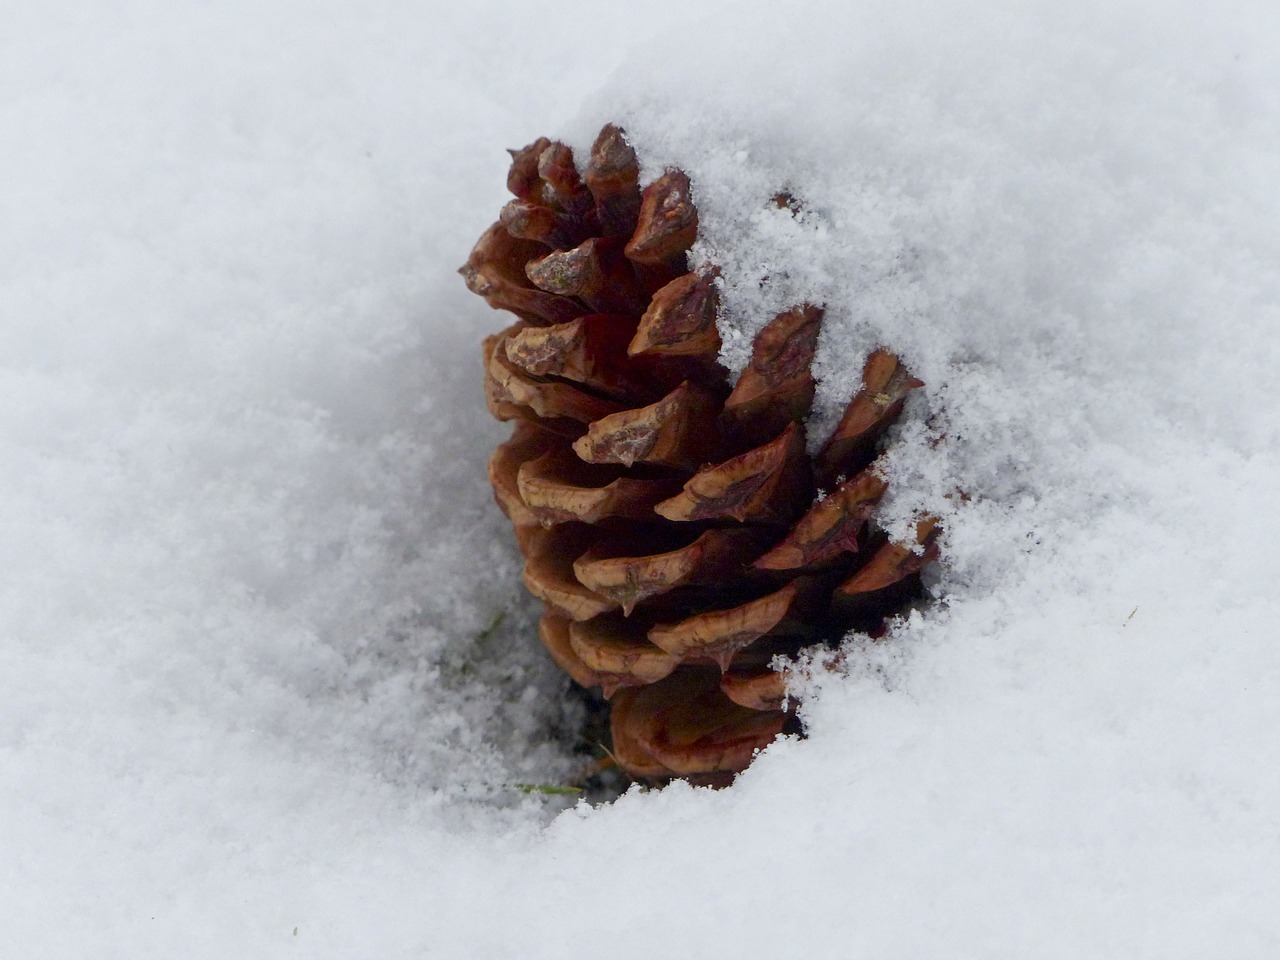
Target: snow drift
(267, 682)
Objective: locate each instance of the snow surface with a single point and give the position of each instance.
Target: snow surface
(267, 683)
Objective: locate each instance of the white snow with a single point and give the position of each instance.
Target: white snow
(267, 679)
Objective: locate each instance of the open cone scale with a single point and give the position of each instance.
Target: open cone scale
(671, 521)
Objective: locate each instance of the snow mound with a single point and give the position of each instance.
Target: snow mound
(267, 681)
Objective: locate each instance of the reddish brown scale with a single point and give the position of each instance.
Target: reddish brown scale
(677, 432)
(563, 187)
(531, 221)
(590, 350)
(595, 272)
(777, 387)
(873, 409)
(553, 486)
(681, 320)
(830, 528)
(496, 271)
(523, 180)
(665, 230)
(765, 485)
(613, 179)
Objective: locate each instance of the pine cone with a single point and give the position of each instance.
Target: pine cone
(671, 522)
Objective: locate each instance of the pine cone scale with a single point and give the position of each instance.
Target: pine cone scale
(761, 485)
(686, 724)
(680, 320)
(721, 635)
(631, 578)
(677, 431)
(557, 489)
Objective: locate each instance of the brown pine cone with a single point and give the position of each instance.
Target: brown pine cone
(670, 521)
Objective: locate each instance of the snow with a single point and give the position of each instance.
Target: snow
(267, 681)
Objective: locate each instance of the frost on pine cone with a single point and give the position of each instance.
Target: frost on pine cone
(671, 521)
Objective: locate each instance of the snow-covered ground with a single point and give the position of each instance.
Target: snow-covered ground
(267, 682)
